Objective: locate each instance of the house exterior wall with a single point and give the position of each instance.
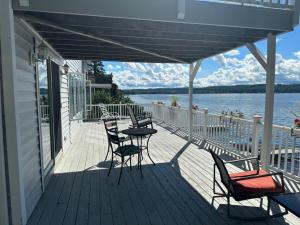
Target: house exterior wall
(27, 147)
(28, 125)
(69, 128)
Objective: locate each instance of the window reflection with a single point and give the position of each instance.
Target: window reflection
(45, 112)
(76, 95)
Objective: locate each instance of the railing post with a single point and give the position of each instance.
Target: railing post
(120, 109)
(255, 139)
(205, 124)
(269, 102)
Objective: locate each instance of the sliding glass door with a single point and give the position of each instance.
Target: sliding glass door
(45, 112)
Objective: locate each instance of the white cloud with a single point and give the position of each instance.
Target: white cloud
(233, 52)
(233, 71)
(297, 54)
(249, 71)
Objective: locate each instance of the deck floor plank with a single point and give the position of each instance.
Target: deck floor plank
(177, 190)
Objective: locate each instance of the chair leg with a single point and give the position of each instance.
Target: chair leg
(140, 164)
(214, 180)
(121, 170)
(130, 162)
(228, 206)
(111, 163)
(108, 148)
(243, 218)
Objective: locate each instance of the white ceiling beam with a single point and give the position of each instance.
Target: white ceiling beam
(181, 9)
(73, 31)
(196, 67)
(258, 55)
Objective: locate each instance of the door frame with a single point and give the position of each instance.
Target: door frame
(54, 132)
(4, 212)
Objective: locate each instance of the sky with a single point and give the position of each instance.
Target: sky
(235, 67)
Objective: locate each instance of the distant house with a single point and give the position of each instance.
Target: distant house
(101, 82)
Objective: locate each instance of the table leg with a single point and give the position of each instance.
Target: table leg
(148, 150)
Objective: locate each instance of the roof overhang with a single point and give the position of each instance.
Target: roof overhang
(151, 31)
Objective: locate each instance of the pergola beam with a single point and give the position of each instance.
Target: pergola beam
(258, 55)
(104, 24)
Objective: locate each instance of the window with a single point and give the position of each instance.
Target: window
(77, 95)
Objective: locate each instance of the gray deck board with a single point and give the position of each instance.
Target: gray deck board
(177, 190)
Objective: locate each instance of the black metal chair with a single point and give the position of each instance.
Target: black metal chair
(140, 120)
(121, 150)
(246, 185)
(109, 124)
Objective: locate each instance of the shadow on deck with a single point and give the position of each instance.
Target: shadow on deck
(177, 190)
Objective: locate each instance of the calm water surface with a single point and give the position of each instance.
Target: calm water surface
(249, 104)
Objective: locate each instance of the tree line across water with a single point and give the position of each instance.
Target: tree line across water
(257, 88)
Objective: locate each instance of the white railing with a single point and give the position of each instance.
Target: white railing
(237, 135)
(282, 4)
(44, 111)
(94, 112)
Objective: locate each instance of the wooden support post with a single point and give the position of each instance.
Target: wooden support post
(269, 102)
(191, 102)
(192, 74)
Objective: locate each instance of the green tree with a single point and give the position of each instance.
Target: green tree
(105, 98)
(102, 97)
(96, 68)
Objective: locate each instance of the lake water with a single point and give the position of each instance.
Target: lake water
(249, 104)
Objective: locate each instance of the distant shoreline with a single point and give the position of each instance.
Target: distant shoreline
(237, 89)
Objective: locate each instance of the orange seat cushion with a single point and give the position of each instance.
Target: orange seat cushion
(255, 185)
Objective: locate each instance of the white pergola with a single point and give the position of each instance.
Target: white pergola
(154, 31)
(169, 31)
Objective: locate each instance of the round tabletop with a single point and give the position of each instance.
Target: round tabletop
(143, 131)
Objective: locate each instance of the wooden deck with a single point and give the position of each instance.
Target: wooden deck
(177, 190)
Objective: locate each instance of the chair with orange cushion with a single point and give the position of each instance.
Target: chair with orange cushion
(246, 185)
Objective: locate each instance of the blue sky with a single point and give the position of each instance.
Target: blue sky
(235, 67)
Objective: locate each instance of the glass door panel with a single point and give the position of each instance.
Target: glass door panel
(45, 109)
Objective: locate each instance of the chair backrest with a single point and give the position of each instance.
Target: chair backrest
(104, 110)
(132, 116)
(111, 128)
(222, 170)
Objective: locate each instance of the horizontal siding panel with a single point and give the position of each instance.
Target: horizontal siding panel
(28, 121)
(25, 77)
(30, 116)
(33, 197)
(28, 143)
(23, 65)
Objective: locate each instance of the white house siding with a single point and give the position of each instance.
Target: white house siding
(69, 128)
(28, 131)
(27, 115)
(65, 121)
(75, 66)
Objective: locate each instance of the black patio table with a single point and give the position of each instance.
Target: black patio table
(140, 133)
(289, 201)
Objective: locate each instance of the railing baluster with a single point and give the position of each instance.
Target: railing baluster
(286, 152)
(279, 149)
